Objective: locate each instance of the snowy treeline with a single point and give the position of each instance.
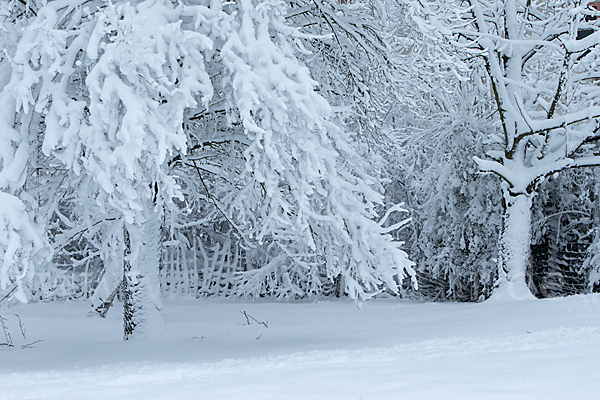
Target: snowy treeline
(277, 148)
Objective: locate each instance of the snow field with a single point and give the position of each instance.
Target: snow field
(384, 349)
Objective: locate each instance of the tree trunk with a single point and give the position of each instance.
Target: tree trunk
(142, 304)
(107, 289)
(515, 249)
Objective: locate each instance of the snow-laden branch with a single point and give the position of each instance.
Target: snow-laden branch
(581, 45)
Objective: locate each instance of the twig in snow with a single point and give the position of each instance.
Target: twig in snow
(9, 342)
(250, 317)
(21, 327)
(246, 315)
(25, 346)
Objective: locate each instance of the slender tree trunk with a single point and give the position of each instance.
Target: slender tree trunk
(142, 308)
(515, 249)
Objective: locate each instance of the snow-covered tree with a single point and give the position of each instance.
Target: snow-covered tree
(439, 121)
(22, 241)
(347, 46)
(291, 195)
(112, 88)
(544, 96)
(456, 214)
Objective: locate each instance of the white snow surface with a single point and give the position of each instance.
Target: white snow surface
(383, 349)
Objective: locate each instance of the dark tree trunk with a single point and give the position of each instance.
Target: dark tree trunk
(142, 305)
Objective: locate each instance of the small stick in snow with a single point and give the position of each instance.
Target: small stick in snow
(248, 317)
(26, 346)
(245, 315)
(21, 327)
(9, 341)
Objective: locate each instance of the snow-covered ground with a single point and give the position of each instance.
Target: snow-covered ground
(384, 349)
